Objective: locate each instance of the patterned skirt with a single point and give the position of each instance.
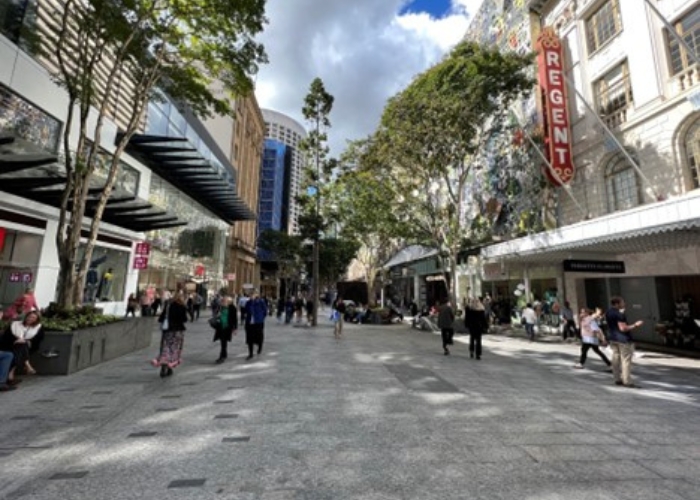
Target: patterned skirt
(170, 349)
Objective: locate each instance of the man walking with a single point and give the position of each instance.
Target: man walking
(569, 329)
(256, 312)
(621, 342)
(446, 319)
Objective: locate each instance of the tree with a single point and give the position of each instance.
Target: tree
(317, 107)
(363, 207)
(100, 48)
(286, 250)
(336, 255)
(434, 139)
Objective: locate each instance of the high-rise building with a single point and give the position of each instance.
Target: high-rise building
(289, 132)
(270, 207)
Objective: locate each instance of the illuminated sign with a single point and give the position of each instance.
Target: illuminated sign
(550, 61)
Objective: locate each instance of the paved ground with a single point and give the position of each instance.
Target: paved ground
(381, 414)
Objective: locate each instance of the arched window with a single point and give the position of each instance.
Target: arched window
(621, 184)
(691, 145)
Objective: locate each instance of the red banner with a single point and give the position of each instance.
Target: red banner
(3, 232)
(140, 262)
(143, 248)
(550, 62)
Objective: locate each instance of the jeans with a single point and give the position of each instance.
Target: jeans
(5, 364)
(622, 361)
(530, 330)
(584, 353)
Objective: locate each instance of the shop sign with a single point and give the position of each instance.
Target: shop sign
(18, 277)
(143, 248)
(140, 262)
(3, 232)
(436, 277)
(550, 61)
(231, 277)
(595, 266)
(199, 270)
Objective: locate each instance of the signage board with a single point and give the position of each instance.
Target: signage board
(143, 248)
(550, 63)
(594, 266)
(140, 262)
(21, 277)
(231, 277)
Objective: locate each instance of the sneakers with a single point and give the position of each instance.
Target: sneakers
(578, 366)
(632, 386)
(249, 358)
(220, 360)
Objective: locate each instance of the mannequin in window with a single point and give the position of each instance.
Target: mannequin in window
(103, 292)
(92, 280)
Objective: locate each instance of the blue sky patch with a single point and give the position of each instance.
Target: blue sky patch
(436, 8)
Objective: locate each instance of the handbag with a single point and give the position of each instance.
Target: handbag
(166, 324)
(215, 322)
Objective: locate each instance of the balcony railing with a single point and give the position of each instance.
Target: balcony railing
(686, 79)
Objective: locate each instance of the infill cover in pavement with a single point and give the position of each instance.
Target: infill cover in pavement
(421, 379)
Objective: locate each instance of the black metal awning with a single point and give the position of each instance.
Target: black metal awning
(176, 161)
(36, 177)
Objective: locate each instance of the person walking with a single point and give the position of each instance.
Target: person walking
(338, 317)
(172, 321)
(197, 302)
(145, 303)
(255, 314)
(131, 305)
(280, 309)
(476, 321)
(242, 302)
(621, 342)
(569, 327)
(591, 336)
(6, 360)
(309, 306)
(227, 326)
(446, 319)
(529, 318)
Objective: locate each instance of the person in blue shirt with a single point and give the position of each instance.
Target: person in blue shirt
(621, 341)
(255, 314)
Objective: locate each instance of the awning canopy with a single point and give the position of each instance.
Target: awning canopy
(669, 224)
(410, 254)
(38, 177)
(175, 160)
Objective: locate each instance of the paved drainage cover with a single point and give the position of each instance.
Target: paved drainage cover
(224, 401)
(70, 475)
(421, 379)
(142, 434)
(187, 483)
(240, 439)
(227, 415)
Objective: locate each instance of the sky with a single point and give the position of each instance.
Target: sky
(365, 51)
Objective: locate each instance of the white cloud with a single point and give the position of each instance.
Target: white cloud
(363, 50)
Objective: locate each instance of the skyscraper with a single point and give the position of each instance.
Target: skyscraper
(289, 132)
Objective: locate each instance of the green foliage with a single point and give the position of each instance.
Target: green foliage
(336, 254)
(199, 243)
(58, 319)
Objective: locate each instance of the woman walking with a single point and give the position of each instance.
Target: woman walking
(591, 336)
(227, 326)
(172, 320)
(446, 319)
(256, 312)
(338, 317)
(477, 323)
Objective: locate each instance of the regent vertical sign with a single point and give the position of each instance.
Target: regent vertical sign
(550, 62)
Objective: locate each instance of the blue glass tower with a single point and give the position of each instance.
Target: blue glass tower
(272, 181)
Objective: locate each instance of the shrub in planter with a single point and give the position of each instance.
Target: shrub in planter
(57, 319)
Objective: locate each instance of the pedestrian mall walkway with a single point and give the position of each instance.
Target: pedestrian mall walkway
(380, 414)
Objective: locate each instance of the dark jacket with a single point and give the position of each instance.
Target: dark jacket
(177, 316)
(446, 317)
(475, 321)
(7, 340)
(255, 311)
(227, 333)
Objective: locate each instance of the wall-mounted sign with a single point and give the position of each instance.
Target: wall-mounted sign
(231, 277)
(435, 277)
(3, 232)
(594, 266)
(199, 270)
(20, 277)
(140, 262)
(550, 63)
(143, 248)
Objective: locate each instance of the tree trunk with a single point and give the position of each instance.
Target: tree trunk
(316, 289)
(453, 278)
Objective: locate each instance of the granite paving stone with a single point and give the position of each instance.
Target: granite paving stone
(380, 415)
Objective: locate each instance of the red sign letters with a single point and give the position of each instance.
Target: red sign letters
(550, 62)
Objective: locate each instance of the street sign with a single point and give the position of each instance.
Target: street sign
(594, 266)
(143, 248)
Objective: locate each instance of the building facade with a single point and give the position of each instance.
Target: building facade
(289, 132)
(246, 156)
(176, 190)
(629, 221)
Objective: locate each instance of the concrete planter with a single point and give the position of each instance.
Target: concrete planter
(82, 349)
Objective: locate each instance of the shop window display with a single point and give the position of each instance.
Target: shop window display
(105, 281)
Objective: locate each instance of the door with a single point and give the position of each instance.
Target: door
(641, 304)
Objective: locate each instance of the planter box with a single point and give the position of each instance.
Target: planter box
(82, 349)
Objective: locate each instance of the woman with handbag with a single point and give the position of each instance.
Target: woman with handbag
(591, 336)
(225, 326)
(172, 322)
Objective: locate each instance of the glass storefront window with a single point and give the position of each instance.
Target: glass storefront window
(21, 118)
(19, 262)
(106, 279)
